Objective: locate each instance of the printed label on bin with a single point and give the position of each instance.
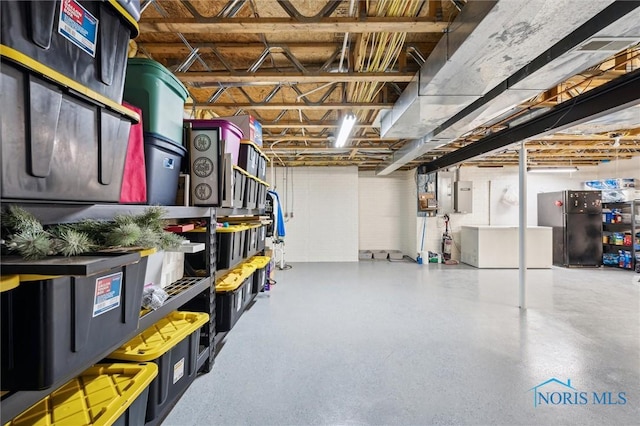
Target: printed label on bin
(178, 370)
(168, 163)
(108, 290)
(78, 26)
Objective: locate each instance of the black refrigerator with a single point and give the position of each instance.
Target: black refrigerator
(576, 219)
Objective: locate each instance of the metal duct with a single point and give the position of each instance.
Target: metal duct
(603, 102)
(475, 61)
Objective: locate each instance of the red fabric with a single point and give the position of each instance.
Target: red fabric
(134, 182)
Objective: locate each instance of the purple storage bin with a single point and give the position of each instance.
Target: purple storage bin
(230, 134)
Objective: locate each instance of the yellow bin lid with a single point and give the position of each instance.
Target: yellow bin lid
(229, 283)
(161, 337)
(232, 228)
(9, 282)
(244, 271)
(96, 397)
(260, 261)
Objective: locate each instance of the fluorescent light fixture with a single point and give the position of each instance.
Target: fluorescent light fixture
(552, 169)
(348, 121)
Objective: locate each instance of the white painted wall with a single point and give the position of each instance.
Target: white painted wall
(324, 204)
(489, 185)
(337, 210)
(387, 206)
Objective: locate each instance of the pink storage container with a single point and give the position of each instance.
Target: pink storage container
(229, 135)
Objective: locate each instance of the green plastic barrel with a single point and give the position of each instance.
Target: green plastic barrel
(161, 96)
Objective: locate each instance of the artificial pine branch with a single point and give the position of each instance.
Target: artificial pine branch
(148, 238)
(31, 245)
(18, 220)
(70, 242)
(124, 235)
(169, 240)
(152, 218)
(97, 230)
(124, 219)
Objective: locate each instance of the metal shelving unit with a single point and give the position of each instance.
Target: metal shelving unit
(180, 292)
(199, 291)
(632, 226)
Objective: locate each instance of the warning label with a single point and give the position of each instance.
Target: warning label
(178, 370)
(79, 26)
(108, 290)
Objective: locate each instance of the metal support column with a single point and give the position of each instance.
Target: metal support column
(522, 230)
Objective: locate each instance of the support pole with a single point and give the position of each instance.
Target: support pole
(522, 230)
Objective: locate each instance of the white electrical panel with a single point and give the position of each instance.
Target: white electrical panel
(463, 196)
(445, 192)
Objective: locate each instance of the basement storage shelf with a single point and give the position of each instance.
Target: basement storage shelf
(621, 234)
(173, 344)
(54, 324)
(180, 292)
(105, 394)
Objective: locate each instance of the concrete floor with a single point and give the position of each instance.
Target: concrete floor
(387, 343)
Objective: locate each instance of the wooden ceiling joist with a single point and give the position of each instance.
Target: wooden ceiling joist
(311, 126)
(280, 25)
(293, 77)
(319, 138)
(327, 106)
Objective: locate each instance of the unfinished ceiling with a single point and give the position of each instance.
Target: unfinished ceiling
(299, 65)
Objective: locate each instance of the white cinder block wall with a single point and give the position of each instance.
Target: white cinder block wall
(324, 204)
(489, 208)
(387, 211)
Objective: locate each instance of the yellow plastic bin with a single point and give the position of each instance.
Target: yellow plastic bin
(260, 275)
(105, 394)
(173, 344)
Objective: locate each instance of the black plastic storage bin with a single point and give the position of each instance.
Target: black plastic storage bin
(251, 193)
(262, 167)
(163, 160)
(83, 41)
(248, 158)
(57, 144)
(240, 179)
(251, 242)
(132, 7)
(260, 275)
(230, 246)
(173, 344)
(261, 201)
(231, 294)
(261, 238)
(52, 325)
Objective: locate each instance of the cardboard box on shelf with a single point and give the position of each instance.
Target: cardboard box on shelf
(251, 128)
